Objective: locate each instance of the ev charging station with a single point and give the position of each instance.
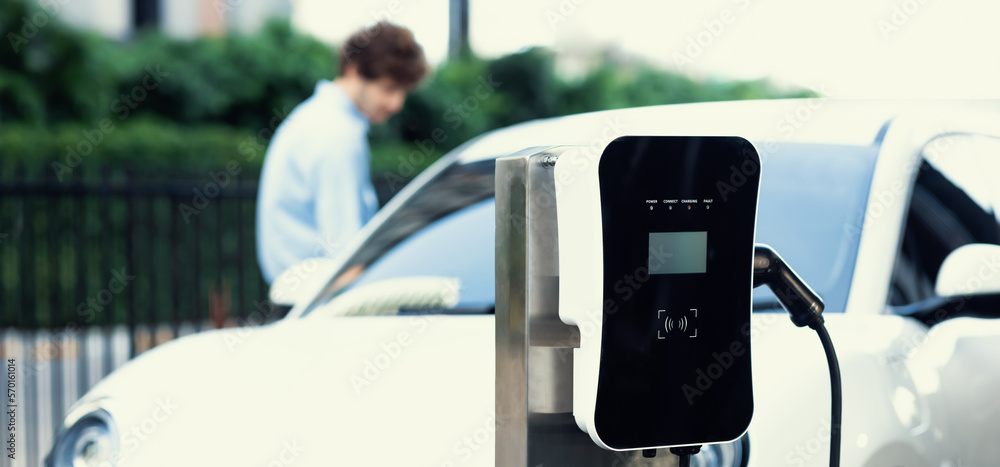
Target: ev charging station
(620, 273)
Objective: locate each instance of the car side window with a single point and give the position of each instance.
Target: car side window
(953, 204)
(968, 162)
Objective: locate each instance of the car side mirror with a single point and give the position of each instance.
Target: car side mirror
(972, 269)
(968, 286)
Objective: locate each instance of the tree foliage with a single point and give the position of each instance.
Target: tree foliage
(179, 101)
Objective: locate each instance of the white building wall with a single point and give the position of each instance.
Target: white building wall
(111, 18)
(178, 18)
(181, 18)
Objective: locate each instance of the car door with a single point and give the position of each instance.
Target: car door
(954, 365)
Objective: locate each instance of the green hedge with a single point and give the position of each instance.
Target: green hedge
(156, 149)
(64, 150)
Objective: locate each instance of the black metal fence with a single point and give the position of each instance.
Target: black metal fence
(98, 264)
(112, 246)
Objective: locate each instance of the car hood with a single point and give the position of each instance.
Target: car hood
(355, 391)
(419, 390)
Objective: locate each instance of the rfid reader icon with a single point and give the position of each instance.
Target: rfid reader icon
(682, 324)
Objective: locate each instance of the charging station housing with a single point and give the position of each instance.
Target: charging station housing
(656, 245)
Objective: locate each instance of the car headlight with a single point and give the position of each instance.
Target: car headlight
(88, 438)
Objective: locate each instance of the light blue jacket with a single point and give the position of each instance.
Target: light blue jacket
(315, 189)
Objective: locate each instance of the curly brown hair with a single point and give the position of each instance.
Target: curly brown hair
(385, 50)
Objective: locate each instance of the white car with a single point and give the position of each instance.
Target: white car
(887, 209)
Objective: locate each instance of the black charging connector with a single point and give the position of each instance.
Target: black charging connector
(806, 308)
(805, 305)
(684, 454)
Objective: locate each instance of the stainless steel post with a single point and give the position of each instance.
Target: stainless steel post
(534, 349)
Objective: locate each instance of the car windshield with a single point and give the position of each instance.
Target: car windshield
(811, 209)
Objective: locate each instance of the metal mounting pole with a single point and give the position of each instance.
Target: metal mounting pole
(534, 349)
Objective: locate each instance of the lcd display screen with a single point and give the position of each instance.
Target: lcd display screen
(677, 252)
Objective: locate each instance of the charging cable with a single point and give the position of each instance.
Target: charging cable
(806, 308)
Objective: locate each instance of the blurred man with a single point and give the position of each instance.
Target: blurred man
(315, 188)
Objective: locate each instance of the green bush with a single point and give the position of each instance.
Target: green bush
(58, 75)
(193, 105)
(49, 73)
(236, 80)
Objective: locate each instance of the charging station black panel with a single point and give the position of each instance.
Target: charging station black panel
(678, 230)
